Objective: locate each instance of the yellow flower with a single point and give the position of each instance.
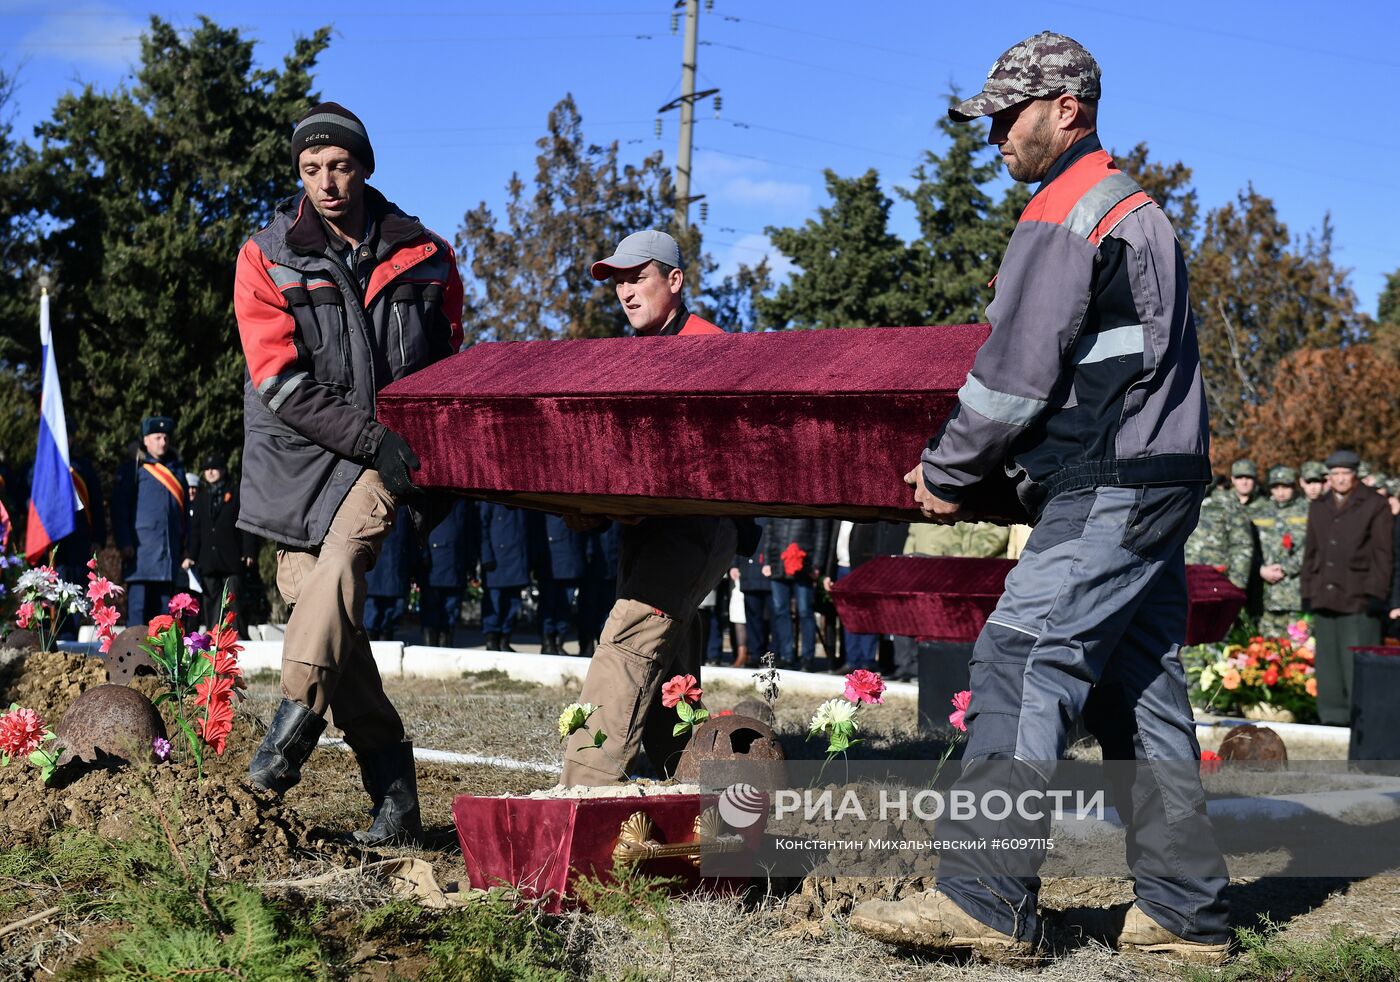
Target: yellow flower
(574, 717)
(1207, 677)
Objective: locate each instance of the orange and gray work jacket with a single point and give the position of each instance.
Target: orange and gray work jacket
(1091, 375)
(322, 334)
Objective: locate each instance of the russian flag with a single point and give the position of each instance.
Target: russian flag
(53, 501)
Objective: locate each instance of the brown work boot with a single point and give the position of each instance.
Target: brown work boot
(1133, 930)
(931, 921)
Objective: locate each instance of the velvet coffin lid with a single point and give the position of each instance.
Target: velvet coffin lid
(815, 423)
(949, 599)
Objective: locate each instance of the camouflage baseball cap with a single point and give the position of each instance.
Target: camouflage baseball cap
(1282, 475)
(1314, 470)
(1244, 467)
(1363, 468)
(1045, 65)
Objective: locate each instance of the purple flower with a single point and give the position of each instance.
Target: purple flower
(196, 641)
(161, 748)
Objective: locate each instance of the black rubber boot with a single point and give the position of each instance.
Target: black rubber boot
(505, 644)
(493, 642)
(551, 645)
(391, 782)
(289, 740)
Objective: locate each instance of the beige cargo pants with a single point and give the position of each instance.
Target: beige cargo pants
(665, 568)
(326, 661)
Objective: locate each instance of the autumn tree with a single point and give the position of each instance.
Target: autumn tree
(1320, 399)
(1260, 294)
(531, 270)
(144, 195)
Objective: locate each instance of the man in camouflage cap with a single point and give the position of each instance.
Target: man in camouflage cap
(1282, 526)
(1364, 473)
(1244, 477)
(1091, 617)
(1313, 477)
(1224, 538)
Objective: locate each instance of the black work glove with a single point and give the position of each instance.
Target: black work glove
(1375, 607)
(395, 461)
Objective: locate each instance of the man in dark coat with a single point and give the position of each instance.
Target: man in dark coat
(1345, 580)
(505, 571)
(148, 521)
(747, 573)
(448, 563)
(387, 583)
(220, 551)
(598, 589)
(560, 561)
(795, 549)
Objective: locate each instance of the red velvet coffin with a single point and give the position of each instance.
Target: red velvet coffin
(542, 845)
(817, 423)
(949, 599)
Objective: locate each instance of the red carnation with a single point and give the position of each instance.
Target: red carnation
(680, 687)
(792, 558)
(1288, 541)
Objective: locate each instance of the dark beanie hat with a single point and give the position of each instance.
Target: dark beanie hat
(331, 124)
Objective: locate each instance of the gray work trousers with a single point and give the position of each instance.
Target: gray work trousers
(1089, 626)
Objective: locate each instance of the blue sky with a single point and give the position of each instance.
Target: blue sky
(1295, 97)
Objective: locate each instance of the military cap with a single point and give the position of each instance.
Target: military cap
(1314, 470)
(1379, 477)
(1244, 467)
(1343, 458)
(215, 462)
(1393, 486)
(1363, 468)
(1282, 475)
(157, 424)
(1045, 65)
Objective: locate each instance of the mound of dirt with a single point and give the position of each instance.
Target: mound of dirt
(250, 833)
(823, 899)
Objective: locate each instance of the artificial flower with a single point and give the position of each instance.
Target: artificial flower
(25, 614)
(961, 700)
(183, 603)
(793, 557)
(680, 687)
(100, 588)
(575, 717)
(217, 725)
(160, 746)
(158, 624)
(1311, 687)
(1231, 679)
(21, 732)
(198, 641)
(832, 712)
(863, 685)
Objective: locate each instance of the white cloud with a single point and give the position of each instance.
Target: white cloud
(93, 33)
(769, 193)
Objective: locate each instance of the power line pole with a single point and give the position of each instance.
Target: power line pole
(686, 103)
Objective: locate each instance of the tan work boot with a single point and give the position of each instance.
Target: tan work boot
(1135, 931)
(931, 921)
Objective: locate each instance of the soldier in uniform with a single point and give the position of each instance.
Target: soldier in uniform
(1314, 479)
(1224, 538)
(1282, 527)
(1244, 478)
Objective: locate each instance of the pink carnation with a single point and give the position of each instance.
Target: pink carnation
(685, 687)
(100, 588)
(863, 685)
(183, 603)
(25, 614)
(21, 732)
(961, 700)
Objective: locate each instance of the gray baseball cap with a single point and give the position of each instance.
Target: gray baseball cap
(638, 249)
(1045, 65)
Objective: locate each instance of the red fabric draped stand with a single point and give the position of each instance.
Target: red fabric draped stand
(949, 599)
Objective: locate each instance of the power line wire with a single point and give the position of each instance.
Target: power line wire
(825, 69)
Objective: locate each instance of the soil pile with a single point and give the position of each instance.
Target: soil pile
(250, 833)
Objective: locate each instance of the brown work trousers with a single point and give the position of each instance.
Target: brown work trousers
(665, 568)
(327, 665)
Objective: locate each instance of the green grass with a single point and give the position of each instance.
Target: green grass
(1340, 957)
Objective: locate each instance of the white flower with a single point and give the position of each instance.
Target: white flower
(575, 717)
(832, 712)
(1207, 678)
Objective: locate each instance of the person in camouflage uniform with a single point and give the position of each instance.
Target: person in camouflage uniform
(980, 540)
(1314, 479)
(1244, 477)
(1224, 538)
(1282, 526)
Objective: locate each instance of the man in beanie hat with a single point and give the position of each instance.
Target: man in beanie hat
(341, 294)
(149, 519)
(1089, 389)
(1282, 526)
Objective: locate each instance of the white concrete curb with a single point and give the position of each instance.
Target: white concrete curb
(448, 757)
(1340, 735)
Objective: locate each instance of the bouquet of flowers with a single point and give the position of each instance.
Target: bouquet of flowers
(46, 602)
(1269, 678)
(198, 665)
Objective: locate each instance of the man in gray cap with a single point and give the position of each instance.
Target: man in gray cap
(665, 565)
(1345, 579)
(339, 295)
(1089, 388)
(1282, 526)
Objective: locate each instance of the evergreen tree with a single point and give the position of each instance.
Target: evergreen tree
(1170, 186)
(146, 195)
(963, 228)
(852, 269)
(532, 278)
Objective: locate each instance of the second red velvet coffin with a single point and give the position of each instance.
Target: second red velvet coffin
(808, 423)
